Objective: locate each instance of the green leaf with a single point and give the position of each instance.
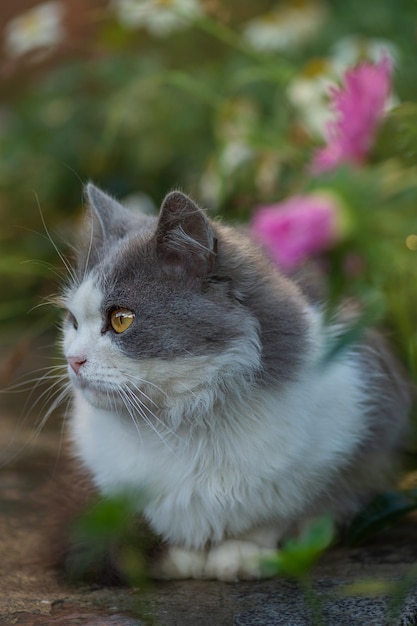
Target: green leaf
(350, 336)
(384, 510)
(297, 556)
(105, 519)
(398, 136)
(343, 342)
(368, 588)
(107, 531)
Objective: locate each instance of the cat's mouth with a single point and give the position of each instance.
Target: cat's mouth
(116, 397)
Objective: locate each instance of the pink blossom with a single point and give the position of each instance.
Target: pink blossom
(359, 105)
(297, 228)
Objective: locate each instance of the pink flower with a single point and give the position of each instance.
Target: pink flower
(297, 228)
(359, 105)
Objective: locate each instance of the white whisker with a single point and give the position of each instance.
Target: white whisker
(90, 247)
(134, 402)
(33, 383)
(64, 261)
(132, 386)
(63, 425)
(54, 395)
(137, 379)
(142, 405)
(57, 397)
(127, 405)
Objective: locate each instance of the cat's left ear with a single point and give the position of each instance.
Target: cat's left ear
(185, 237)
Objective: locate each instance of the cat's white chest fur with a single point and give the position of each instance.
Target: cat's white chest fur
(245, 471)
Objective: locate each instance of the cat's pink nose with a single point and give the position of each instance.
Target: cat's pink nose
(76, 362)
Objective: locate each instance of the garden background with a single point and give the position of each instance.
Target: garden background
(226, 100)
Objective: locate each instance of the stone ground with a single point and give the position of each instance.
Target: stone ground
(31, 595)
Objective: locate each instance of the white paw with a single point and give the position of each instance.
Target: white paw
(179, 563)
(234, 560)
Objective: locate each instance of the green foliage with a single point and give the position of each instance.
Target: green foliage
(151, 113)
(384, 510)
(105, 537)
(205, 110)
(297, 556)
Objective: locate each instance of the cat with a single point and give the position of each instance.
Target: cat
(197, 374)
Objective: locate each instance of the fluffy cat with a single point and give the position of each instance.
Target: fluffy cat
(196, 372)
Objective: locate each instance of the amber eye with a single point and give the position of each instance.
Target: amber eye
(121, 319)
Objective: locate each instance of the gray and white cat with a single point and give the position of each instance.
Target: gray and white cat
(197, 374)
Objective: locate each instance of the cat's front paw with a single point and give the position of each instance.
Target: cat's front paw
(234, 560)
(179, 563)
(229, 561)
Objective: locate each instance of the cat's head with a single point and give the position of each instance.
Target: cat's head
(171, 310)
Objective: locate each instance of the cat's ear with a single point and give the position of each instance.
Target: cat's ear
(109, 219)
(185, 237)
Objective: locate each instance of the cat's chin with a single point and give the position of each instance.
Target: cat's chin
(97, 394)
(100, 398)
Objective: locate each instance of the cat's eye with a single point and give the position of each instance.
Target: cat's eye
(121, 319)
(72, 320)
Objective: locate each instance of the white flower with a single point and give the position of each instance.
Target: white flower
(140, 202)
(38, 28)
(159, 17)
(210, 186)
(269, 166)
(350, 50)
(233, 155)
(286, 26)
(236, 121)
(309, 92)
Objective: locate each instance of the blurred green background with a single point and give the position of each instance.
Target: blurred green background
(224, 99)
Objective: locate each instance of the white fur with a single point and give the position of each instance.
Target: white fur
(223, 457)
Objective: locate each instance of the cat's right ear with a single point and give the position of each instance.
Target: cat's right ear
(106, 221)
(109, 219)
